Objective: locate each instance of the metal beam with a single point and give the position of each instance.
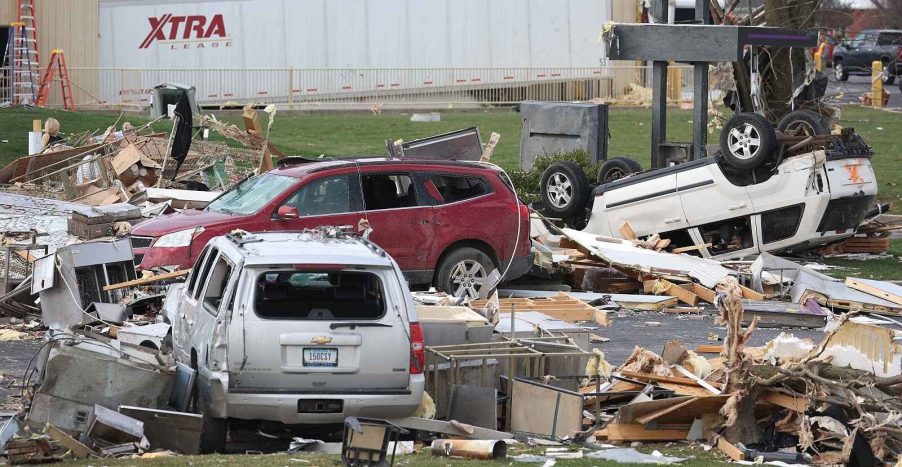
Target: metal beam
(700, 93)
(659, 94)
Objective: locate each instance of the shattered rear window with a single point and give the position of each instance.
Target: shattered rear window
(319, 295)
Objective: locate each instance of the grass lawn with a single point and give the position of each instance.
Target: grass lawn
(364, 134)
(695, 458)
(881, 269)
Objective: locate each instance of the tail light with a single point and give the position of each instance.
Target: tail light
(417, 350)
(522, 210)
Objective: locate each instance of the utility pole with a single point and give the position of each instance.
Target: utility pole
(700, 92)
(659, 11)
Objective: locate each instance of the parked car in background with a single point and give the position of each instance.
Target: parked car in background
(296, 328)
(857, 55)
(446, 223)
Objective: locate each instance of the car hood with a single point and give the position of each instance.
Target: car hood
(186, 219)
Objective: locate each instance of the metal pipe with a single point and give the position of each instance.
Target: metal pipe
(471, 448)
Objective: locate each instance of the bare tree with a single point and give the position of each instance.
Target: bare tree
(890, 11)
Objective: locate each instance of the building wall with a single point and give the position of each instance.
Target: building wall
(71, 25)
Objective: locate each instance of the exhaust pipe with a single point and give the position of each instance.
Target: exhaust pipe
(472, 448)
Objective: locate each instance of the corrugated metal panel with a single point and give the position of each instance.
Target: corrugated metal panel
(7, 11)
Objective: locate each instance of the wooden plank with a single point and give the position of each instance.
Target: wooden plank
(628, 232)
(729, 449)
(644, 419)
(684, 249)
(704, 293)
(685, 389)
(659, 378)
(751, 294)
(707, 348)
(786, 401)
(685, 412)
(684, 309)
(892, 292)
(79, 450)
(673, 290)
(637, 432)
(147, 280)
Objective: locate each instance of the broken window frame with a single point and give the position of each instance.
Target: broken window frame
(751, 228)
(214, 281)
(428, 178)
(196, 269)
(417, 193)
(204, 272)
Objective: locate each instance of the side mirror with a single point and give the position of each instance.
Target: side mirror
(830, 40)
(287, 212)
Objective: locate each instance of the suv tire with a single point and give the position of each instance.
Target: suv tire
(747, 140)
(839, 70)
(810, 123)
(616, 168)
(565, 189)
(464, 270)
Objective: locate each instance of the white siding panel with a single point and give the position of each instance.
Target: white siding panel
(549, 33)
(430, 40)
(509, 33)
(468, 26)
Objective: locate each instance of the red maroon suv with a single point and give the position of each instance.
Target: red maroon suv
(446, 223)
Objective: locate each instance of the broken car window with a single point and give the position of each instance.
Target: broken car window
(331, 195)
(453, 188)
(729, 235)
(216, 285)
(781, 224)
(388, 191)
(252, 194)
(202, 277)
(319, 295)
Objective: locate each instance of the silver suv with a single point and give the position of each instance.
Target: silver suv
(298, 328)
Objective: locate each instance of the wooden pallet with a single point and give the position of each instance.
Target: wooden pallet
(870, 245)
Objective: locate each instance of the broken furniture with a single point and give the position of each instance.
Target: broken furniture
(84, 269)
(482, 364)
(366, 440)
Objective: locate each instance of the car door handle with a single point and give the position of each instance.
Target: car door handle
(673, 220)
(734, 207)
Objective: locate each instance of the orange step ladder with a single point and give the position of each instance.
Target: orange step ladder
(56, 58)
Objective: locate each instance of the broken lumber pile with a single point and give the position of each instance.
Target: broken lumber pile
(562, 306)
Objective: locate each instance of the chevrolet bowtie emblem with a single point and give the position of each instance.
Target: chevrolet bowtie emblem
(320, 340)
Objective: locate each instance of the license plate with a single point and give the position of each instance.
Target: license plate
(321, 357)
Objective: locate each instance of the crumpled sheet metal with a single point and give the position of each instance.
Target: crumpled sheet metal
(708, 272)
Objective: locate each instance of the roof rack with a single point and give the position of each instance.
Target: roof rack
(298, 160)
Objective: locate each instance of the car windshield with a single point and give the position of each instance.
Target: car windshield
(252, 194)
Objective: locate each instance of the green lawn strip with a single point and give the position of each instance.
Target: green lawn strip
(696, 457)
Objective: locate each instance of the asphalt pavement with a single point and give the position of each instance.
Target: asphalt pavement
(849, 92)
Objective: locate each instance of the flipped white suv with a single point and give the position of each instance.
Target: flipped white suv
(297, 328)
(759, 193)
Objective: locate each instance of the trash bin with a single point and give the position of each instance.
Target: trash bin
(365, 442)
(168, 94)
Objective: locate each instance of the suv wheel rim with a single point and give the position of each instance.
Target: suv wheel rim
(744, 141)
(468, 278)
(615, 174)
(837, 70)
(559, 189)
